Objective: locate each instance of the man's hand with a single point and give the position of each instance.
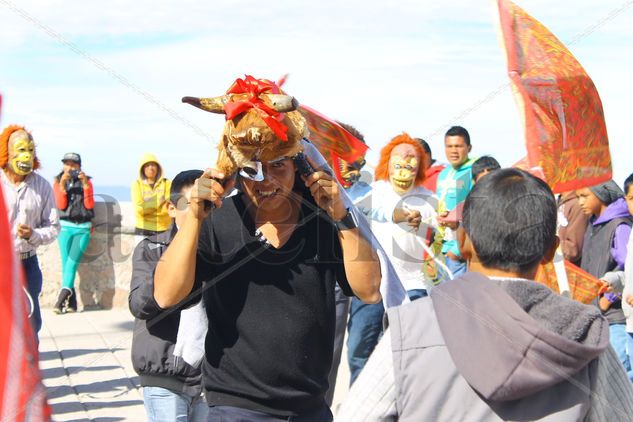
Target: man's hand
(63, 180)
(326, 193)
(446, 223)
(211, 187)
(83, 178)
(412, 217)
(629, 299)
(24, 231)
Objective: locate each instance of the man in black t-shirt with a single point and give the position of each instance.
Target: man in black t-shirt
(267, 261)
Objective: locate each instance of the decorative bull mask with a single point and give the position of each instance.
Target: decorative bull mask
(262, 124)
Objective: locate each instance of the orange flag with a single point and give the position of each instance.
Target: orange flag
(565, 132)
(583, 286)
(22, 395)
(332, 140)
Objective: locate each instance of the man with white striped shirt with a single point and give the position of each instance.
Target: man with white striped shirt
(30, 206)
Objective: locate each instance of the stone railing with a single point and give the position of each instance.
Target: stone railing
(103, 279)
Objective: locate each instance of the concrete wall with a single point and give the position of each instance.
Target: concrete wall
(103, 279)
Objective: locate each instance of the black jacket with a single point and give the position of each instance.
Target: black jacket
(155, 329)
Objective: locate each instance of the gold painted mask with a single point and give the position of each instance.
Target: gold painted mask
(402, 172)
(350, 172)
(21, 153)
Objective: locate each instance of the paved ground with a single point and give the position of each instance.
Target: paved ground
(85, 362)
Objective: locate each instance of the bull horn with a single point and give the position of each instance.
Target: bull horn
(282, 103)
(279, 102)
(214, 105)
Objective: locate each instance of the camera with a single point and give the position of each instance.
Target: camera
(74, 174)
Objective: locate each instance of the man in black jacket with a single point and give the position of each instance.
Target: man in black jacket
(171, 387)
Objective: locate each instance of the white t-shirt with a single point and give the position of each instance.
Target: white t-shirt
(402, 243)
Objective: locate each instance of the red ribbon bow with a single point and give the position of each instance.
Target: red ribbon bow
(256, 87)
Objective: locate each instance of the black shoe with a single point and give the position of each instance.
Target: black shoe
(72, 302)
(62, 298)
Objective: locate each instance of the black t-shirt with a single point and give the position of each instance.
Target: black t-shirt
(271, 311)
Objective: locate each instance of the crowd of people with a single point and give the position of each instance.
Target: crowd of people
(245, 284)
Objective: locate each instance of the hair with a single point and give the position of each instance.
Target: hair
(628, 182)
(4, 145)
(425, 146)
(351, 129)
(510, 217)
(382, 169)
(484, 163)
(184, 179)
(458, 131)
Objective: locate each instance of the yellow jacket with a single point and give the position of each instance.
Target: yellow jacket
(151, 201)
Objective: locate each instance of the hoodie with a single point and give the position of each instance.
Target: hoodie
(150, 201)
(483, 349)
(617, 209)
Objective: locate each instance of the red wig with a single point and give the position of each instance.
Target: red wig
(382, 169)
(4, 146)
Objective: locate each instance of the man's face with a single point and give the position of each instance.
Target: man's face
(589, 203)
(71, 165)
(629, 199)
(272, 192)
(456, 150)
(350, 172)
(178, 211)
(403, 167)
(21, 153)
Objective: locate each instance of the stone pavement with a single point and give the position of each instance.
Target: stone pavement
(86, 366)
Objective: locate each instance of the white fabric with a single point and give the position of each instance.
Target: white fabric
(31, 203)
(628, 285)
(192, 330)
(392, 291)
(403, 244)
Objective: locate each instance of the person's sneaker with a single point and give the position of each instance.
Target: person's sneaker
(72, 302)
(63, 296)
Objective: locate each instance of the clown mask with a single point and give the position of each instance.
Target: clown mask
(350, 172)
(21, 153)
(403, 168)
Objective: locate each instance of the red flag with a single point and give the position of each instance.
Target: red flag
(22, 395)
(565, 132)
(523, 164)
(332, 140)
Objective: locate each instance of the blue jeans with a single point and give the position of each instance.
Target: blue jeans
(618, 338)
(33, 276)
(363, 332)
(163, 405)
(236, 414)
(629, 352)
(457, 267)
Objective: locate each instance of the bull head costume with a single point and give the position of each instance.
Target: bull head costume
(262, 125)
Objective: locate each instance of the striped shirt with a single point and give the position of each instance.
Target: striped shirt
(31, 203)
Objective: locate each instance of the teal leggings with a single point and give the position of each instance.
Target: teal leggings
(73, 240)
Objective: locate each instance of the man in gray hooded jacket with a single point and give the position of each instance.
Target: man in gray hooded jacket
(494, 345)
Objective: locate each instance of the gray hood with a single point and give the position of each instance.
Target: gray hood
(512, 338)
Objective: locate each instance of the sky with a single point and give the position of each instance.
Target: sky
(105, 79)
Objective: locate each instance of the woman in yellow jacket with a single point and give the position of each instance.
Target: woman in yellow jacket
(150, 193)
